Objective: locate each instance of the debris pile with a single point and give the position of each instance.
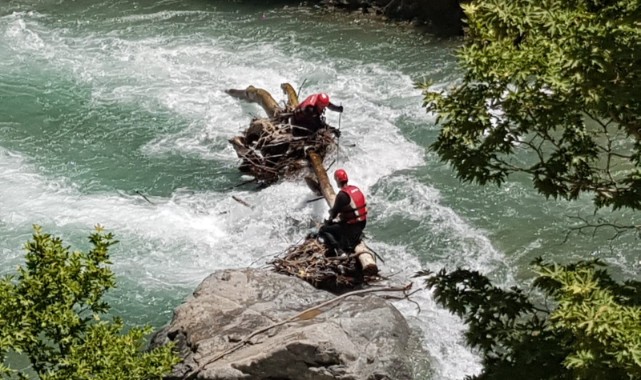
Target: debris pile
(270, 150)
(311, 262)
(273, 148)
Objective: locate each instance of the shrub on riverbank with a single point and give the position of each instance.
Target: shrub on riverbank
(51, 313)
(589, 326)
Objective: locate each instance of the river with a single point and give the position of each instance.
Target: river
(102, 101)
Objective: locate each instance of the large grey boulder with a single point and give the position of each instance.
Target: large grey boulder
(357, 338)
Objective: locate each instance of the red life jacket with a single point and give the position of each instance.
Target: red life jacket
(311, 101)
(357, 209)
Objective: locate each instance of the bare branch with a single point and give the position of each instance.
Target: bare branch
(587, 225)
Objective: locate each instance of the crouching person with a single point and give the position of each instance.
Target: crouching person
(351, 209)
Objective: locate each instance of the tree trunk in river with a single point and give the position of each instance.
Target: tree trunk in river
(365, 257)
(325, 185)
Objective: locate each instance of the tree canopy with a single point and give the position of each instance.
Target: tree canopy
(551, 88)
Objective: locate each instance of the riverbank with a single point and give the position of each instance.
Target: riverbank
(439, 17)
(443, 18)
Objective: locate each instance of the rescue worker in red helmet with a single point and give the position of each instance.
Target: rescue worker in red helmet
(351, 209)
(309, 114)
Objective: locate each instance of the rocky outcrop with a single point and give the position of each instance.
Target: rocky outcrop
(356, 338)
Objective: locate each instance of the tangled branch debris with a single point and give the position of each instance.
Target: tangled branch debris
(310, 262)
(272, 148)
(270, 151)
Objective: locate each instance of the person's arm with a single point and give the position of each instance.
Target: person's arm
(335, 108)
(342, 200)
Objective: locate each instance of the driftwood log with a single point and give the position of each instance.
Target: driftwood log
(273, 148)
(258, 95)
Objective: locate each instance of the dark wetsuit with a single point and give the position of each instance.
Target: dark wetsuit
(310, 119)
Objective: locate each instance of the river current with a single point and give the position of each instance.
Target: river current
(102, 102)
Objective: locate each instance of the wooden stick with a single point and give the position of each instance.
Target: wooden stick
(323, 180)
(242, 202)
(144, 197)
(257, 95)
(241, 184)
(292, 96)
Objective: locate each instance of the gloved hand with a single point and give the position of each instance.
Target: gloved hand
(339, 108)
(336, 131)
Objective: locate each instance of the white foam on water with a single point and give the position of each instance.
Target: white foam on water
(151, 17)
(28, 198)
(22, 37)
(402, 196)
(441, 331)
(467, 246)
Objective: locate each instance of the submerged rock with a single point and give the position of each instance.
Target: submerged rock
(356, 338)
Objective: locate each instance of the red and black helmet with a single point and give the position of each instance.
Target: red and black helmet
(340, 175)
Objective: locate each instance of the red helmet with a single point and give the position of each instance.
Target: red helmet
(340, 175)
(322, 100)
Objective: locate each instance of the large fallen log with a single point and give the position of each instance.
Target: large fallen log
(365, 257)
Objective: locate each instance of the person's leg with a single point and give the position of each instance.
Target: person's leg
(331, 236)
(352, 236)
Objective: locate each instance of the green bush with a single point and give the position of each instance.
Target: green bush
(551, 89)
(592, 329)
(51, 313)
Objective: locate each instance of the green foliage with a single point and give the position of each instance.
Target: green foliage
(557, 81)
(51, 312)
(551, 89)
(592, 331)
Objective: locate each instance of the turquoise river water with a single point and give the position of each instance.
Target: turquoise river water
(103, 100)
